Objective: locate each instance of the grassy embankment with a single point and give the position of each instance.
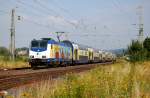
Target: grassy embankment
(18, 63)
(110, 81)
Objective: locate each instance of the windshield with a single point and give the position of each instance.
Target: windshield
(34, 44)
(43, 44)
(39, 44)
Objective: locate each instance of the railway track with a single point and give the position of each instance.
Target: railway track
(14, 78)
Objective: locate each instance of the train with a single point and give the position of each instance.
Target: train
(48, 52)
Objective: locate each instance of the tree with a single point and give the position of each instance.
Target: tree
(146, 45)
(4, 51)
(136, 52)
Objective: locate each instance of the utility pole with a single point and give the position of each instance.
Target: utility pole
(12, 35)
(141, 25)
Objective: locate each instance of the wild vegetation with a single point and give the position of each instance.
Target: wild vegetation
(109, 81)
(120, 80)
(139, 51)
(146, 45)
(11, 64)
(5, 62)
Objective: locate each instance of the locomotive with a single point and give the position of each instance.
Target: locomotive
(48, 52)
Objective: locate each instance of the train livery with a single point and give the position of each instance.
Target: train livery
(48, 52)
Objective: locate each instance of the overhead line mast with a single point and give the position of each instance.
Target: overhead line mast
(12, 35)
(141, 25)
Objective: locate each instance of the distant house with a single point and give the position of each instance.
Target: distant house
(22, 51)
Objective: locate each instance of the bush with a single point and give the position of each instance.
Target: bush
(137, 52)
(146, 45)
(4, 51)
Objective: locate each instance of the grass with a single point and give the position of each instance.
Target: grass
(18, 63)
(109, 81)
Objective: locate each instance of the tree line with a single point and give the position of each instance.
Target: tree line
(139, 51)
(19, 53)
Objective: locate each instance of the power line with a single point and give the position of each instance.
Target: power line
(46, 11)
(57, 14)
(61, 8)
(45, 7)
(36, 9)
(23, 9)
(117, 4)
(29, 20)
(4, 12)
(33, 7)
(36, 23)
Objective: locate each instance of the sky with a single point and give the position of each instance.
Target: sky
(102, 24)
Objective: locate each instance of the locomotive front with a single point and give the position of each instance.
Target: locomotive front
(38, 52)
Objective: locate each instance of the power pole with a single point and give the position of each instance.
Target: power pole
(12, 35)
(141, 25)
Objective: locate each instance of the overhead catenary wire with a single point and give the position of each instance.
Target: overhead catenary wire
(117, 4)
(62, 8)
(46, 8)
(4, 12)
(47, 11)
(22, 9)
(76, 25)
(37, 9)
(57, 14)
(36, 23)
(51, 10)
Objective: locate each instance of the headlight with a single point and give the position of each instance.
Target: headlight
(31, 56)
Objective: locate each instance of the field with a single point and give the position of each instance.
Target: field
(119, 80)
(19, 63)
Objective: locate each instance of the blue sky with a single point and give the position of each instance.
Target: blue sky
(103, 24)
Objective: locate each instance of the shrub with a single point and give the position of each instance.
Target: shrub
(146, 45)
(137, 52)
(4, 51)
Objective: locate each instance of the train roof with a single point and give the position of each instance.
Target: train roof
(47, 38)
(50, 40)
(68, 43)
(83, 47)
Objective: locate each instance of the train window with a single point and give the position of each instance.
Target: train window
(43, 44)
(39, 44)
(34, 44)
(81, 52)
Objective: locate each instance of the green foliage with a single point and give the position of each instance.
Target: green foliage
(146, 45)
(137, 52)
(4, 54)
(22, 58)
(4, 51)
